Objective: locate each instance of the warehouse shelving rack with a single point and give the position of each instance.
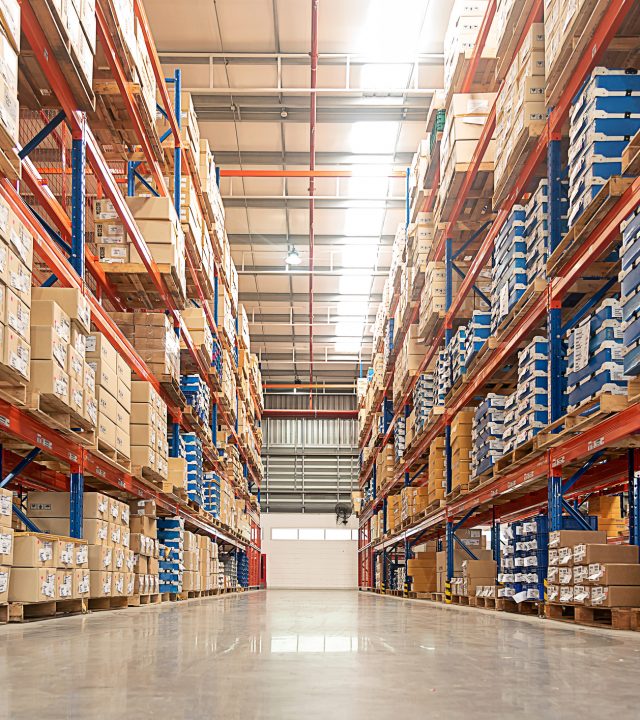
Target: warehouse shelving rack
(539, 480)
(20, 430)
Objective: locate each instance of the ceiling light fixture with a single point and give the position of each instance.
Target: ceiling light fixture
(292, 256)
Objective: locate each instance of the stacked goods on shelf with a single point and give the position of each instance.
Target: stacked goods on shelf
(527, 409)
(418, 171)
(457, 354)
(376, 526)
(189, 130)
(385, 466)
(437, 479)
(145, 547)
(211, 493)
(47, 568)
(149, 446)
(408, 359)
(608, 510)
(537, 227)
(509, 279)
(198, 396)
(226, 317)
(524, 559)
(191, 577)
(461, 36)
(595, 356)
(421, 568)
(476, 542)
(520, 110)
(605, 114)
(105, 529)
(487, 434)
(414, 501)
(476, 576)
(9, 107)
(419, 241)
(399, 437)
(196, 321)
(394, 512)
(243, 569)
(432, 299)
(16, 263)
(585, 570)
(461, 450)
(228, 384)
(60, 323)
(6, 542)
(195, 471)
(423, 400)
(630, 300)
(154, 339)
(442, 377)
(171, 551)
(479, 331)
(466, 116)
(113, 395)
(230, 572)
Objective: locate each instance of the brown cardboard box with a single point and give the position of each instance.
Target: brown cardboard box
(65, 553)
(153, 565)
(107, 403)
(141, 565)
(33, 551)
(613, 574)
(76, 397)
(123, 442)
(114, 533)
(6, 507)
(7, 546)
(56, 504)
(79, 341)
(71, 300)
(113, 252)
(124, 400)
(479, 568)
(119, 564)
(143, 456)
(16, 353)
(81, 554)
(123, 371)
(106, 430)
(31, 584)
(118, 588)
(129, 583)
(100, 583)
(569, 538)
(5, 577)
(100, 557)
(584, 554)
(64, 584)
(142, 507)
(16, 314)
(144, 524)
(46, 344)
(99, 348)
(47, 313)
(615, 596)
(75, 364)
(50, 379)
(459, 557)
(81, 583)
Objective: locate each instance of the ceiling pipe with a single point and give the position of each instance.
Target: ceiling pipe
(307, 386)
(254, 173)
(312, 182)
(275, 414)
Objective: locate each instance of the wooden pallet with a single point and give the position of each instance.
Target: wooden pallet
(171, 386)
(18, 612)
(132, 282)
(149, 474)
(13, 387)
(477, 205)
(457, 492)
(52, 412)
(488, 603)
(108, 603)
(112, 456)
(513, 25)
(460, 600)
(484, 78)
(584, 226)
(528, 607)
(575, 422)
(631, 157)
(521, 308)
(614, 618)
(138, 600)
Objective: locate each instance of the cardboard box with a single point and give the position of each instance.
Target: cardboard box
(75, 364)
(107, 404)
(99, 348)
(64, 584)
(82, 555)
(106, 430)
(32, 584)
(613, 574)
(144, 524)
(16, 314)
(118, 588)
(5, 577)
(50, 379)
(615, 596)
(100, 557)
(105, 375)
(46, 344)
(479, 568)
(71, 300)
(118, 559)
(47, 313)
(100, 583)
(16, 353)
(113, 252)
(81, 583)
(57, 505)
(30, 550)
(18, 277)
(124, 397)
(569, 538)
(6, 508)
(142, 507)
(459, 557)
(65, 553)
(586, 554)
(7, 546)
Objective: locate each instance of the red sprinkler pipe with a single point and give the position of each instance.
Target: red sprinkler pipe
(312, 181)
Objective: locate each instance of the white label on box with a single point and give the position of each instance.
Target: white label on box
(564, 575)
(120, 585)
(66, 556)
(115, 535)
(581, 336)
(599, 594)
(579, 553)
(5, 502)
(49, 586)
(596, 571)
(107, 557)
(119, 559)
(564, 555)
(5, 543)
(114, 512)
(83, 585)
(130, 585)
(66, 589)
(4, 581)
(82, 554)
(102, 506)
(103, 532)
(60, 387)
(106, 587)
(46, 551)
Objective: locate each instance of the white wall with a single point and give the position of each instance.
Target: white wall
(324, 564)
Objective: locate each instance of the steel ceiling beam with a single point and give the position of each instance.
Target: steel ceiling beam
(250, 58)
(301, 203)
(226, 158)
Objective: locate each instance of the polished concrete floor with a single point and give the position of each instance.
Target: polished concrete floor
(314, 654)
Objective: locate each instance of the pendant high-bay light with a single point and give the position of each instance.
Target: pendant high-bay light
(292, 256)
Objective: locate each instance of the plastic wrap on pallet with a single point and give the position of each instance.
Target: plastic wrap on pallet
(605, 114)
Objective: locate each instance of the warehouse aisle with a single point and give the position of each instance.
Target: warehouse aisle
(312, 654)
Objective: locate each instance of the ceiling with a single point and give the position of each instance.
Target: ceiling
(247, 65)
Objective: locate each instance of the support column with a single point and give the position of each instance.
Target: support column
(76, 487)
(555, 501)
(634, 496)
(450, 557)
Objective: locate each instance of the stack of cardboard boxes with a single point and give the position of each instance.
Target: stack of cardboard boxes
(6, 543)
(520, 111)
(437, 479)
(385, 466)
(48, 568)
(60, 324)
(414, 501)
(408, 359)
(608, 509)
(475, 541)
(145, 547)
(394, 512)
(9, 48)
(113, 395)
(461, 429)
(421, 568)
(16, 261)
(105, 530)
(149, 445)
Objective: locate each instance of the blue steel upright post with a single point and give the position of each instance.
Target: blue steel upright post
(634, 496)
(78, 200)
(554, 320)
(448, 333)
